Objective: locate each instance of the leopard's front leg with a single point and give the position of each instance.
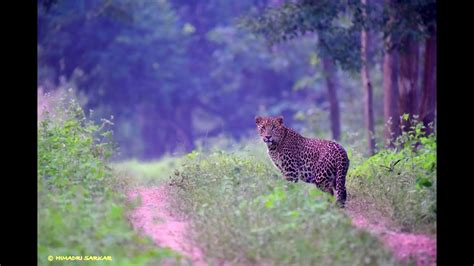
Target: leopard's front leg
(291, 178)
(290, 174)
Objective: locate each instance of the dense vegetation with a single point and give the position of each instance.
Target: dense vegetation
(81, 205)
(401, 183)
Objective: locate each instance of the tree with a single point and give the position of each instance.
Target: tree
(428, 99)
(403, 24)
(335, 45)
(132, 59)
(175, 71)
(418, 23)
(390, 90)
(390, 87)
(408, 79)
(331, 85)
(366, 84)
(169, 71)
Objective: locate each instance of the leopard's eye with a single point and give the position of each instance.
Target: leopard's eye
(273, 127)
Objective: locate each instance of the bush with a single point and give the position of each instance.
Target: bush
(80, 205)
(400, 183)
(241, 211)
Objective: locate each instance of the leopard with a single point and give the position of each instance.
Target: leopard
(313, 160)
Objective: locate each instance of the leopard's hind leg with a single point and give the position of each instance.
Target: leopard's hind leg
(340, 185)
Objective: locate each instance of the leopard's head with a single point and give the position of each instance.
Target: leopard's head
(271, 129)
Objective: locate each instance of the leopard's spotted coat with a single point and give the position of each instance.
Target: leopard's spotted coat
(322, 162)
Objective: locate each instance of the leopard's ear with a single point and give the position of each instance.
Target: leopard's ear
(279, 119)
(258, 120)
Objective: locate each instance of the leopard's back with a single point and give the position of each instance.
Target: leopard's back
(322, 162)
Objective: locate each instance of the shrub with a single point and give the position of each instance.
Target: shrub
(400, 183)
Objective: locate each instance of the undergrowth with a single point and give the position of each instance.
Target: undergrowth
(242, 212)
(81, 207)
(400, 183)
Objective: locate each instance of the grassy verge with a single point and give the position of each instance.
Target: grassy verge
(81, 205)
(400, 184)
(242, 212)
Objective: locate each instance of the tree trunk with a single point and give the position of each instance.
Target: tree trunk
(366, 84)
(408, 79)
(428, 102)
(330, 73)
(390, 89)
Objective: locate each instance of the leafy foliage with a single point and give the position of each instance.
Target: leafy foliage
(401, 183)
(336, 38)
(410, 19)
(80, 205)
(71, 148)
(338, 24)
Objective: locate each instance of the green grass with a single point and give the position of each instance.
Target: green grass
(81, 205)
(400, 184)
(147, 174)
(241, 211)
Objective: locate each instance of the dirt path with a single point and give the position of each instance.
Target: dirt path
(167, 230)
(163, 227)
(404, 245)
